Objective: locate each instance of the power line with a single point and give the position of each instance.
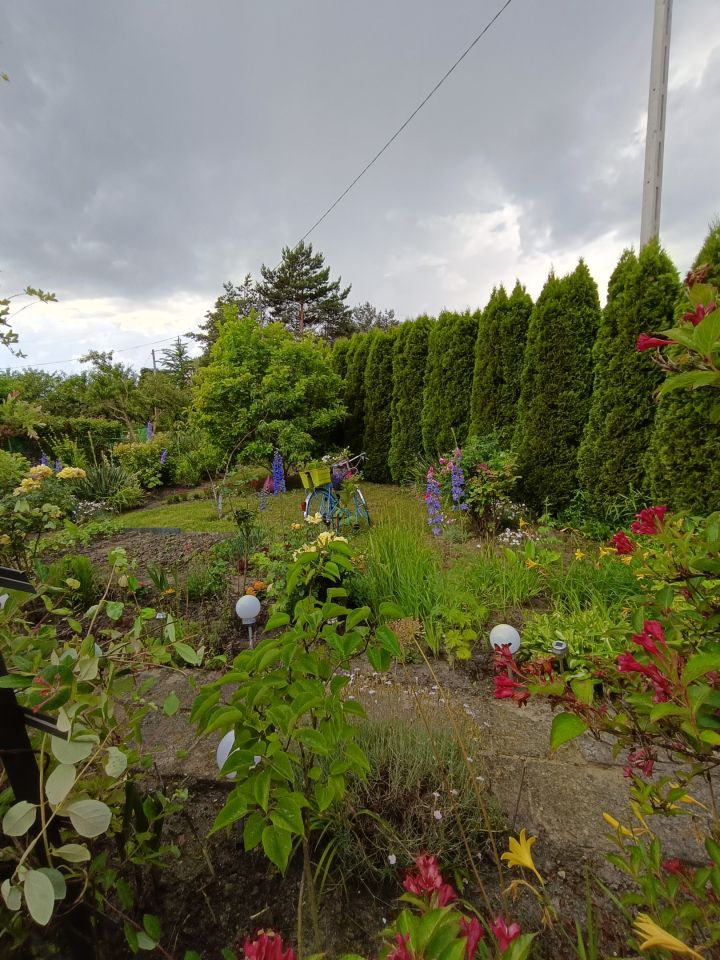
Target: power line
(400, 129)
(53, 363)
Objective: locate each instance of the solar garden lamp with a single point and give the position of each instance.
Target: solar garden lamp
(560, 649)
(248, 608)
(505, 637)
(224, 749)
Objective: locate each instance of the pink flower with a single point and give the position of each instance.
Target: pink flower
(428, 881)
(503, 933)
(626, 663)
(698, 314)
(650, 521)
(473, 932)
(644, 342)
(643, 760)
(400, 951)
(267, 946)
(507, 689)
(622, 543)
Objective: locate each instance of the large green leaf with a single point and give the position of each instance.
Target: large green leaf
(60, 782)
(39, 896)
(277, 844)
(19, 818)
(89, 817)
(565, 726)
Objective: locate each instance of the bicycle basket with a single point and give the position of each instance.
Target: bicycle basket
(320, 476)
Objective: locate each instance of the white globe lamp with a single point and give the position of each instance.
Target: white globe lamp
(248, 608)
(503, 635)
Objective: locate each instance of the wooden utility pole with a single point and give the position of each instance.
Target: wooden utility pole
(655, 138)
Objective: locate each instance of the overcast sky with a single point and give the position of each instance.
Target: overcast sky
(152, 149)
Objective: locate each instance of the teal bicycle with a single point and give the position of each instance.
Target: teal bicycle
(325, 494)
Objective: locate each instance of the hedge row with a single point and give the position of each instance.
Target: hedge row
(559, 381)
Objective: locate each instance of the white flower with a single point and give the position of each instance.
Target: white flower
(392, 859)
(437, 814)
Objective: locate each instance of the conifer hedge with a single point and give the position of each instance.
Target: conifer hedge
(378, 407)
(641, 296)
(683, 464)
(513, 337)
(409, 363)
(340, 356)
(354, 396)
(556, 388)
(488, 372)
(448, 381)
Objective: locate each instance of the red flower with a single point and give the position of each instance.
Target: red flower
(650, 521)
(401, 952)
(472, 930)
(698, 314)
(642, 760)
(507, 689)
(428, 881)
(652, 634)
(644, 342)
(267, 946)
(503, 933)
(622, 542)
(626, 663)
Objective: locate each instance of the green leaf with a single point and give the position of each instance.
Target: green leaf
(39, 896)
(252, 832)
(277, 620)
(71, 751)
(389, 641)
(707, 332)
(288, 815)
(699, 665)
(72, 852)
(11, 895)
(145, 942)
(520, 949)
(690, 380)
(89, 817)
(391, 611)
(60, 782)
(277, 844)
(186, 652)
(312, 739)
(114, 609)
(152, 926)
(565, 726)
(116, 763)
(171, 705)
(19, 818)
(57, 880)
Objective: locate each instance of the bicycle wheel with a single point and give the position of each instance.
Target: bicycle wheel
(361, 510)
(322, 502)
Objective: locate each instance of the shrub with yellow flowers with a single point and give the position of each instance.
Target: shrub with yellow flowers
(39, 503)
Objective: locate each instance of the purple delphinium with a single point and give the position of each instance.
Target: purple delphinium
(262, 496)
(457, 484)
(432, 502)
(44, 460)
(278, 473)
(58, 466)
(148, 431)
(163, 457)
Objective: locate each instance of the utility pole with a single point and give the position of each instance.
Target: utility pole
(655, 137)
(154, 362)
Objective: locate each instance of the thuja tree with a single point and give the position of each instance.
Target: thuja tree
(409, 363)
(448, 381)
(487, 375)
(378, 407)
(340, 351)
(354, 395)
(556, 387)
(642, 291)
(682, 461)
(513, 337)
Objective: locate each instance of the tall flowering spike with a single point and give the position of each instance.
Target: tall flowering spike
(44, 460)
(457, 485)
(58, 466)
(148, 430)
(163, 457)
(432, 502)
(278, 473)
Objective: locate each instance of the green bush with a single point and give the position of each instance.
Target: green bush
(682, 464)
(354, 390)
(79, 568)
(448, 382)
(556, 388)
(206, 578)
(144, 461)
(409, 363)
(194, 456)
(378, 407)
(13, 467)
(126, 498)
(103, 480)
(641, 296)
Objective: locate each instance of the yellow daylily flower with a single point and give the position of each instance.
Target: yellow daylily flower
(519, 854)
(616, 825)
(296, 526)
(685, 798)
(607, 551)
(655, 936)
(579, 554)
(522, 523)
(529, 563)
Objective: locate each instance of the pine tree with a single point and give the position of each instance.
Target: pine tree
(488, 373)
(354, 398)
(300, 294)
(556, 388)
(409, 363)
(683, 465)
(378, 407)
(176, 360)
(448, 381)
(641, 296)
(513, 337)
(241, 298)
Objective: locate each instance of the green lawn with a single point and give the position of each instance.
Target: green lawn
(385, 503)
